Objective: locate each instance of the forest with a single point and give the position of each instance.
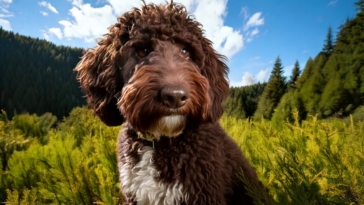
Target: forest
(37, 76)
(303, 134)
(330, 85)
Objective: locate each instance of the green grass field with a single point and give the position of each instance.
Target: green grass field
(74, 161)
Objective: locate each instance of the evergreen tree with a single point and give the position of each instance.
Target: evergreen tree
(306, 73)
(273, 92)
(296, 72)
(37, 76)
(360, 5)
(328, 46)
(243, 101)
(333, 82)
(312, 87)
(289, 109)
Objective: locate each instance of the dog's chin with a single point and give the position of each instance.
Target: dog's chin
(168, 126)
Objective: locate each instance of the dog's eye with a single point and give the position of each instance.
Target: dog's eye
(142, 52)
(185, 53)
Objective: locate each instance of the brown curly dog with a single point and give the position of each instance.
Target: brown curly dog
(157, 72)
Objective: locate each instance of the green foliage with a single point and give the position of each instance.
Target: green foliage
(273, 92)
(76, 166)
(358, 114)
(307, 162)
(11, 140)
(332, 84)
(34, 126)
(37, 76)
(360, 5)
(310, 89)
(306, 73)
(301, 159)
(243, 101)
(329, 44)
(315, 162)
(290, 103)
(296, 72)
(28, 198)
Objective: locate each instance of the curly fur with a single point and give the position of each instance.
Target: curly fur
(192, 160)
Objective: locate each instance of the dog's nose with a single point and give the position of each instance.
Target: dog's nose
(174, 97)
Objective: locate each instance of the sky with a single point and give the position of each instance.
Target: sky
(250, 33)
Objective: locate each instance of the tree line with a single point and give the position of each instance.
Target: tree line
(37, 76)
(331, 84)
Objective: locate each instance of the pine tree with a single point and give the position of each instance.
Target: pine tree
(296, 72)
(360, 5)
(243, 101)
(328, 46)
(273, 92)
(37, 76)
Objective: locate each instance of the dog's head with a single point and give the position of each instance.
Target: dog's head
(156, 70)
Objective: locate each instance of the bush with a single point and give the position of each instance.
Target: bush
(308, 162)
(77, 166)
(315, 162)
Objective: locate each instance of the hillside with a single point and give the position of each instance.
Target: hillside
(331, 84)
(37, 76)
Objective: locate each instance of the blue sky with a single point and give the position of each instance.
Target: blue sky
(251, 33)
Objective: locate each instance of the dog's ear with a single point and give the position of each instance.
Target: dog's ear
(216, 71)
(100, 75)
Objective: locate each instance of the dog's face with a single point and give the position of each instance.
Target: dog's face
(164, 89)
(156, 70)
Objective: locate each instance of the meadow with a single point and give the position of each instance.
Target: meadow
(73, 160)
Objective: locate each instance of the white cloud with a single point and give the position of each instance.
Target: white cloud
(48, 6)
(6, 1)
(91, 23)
(52, 32)
(4, 13)
(5, 24)
(3, 10)
(45, 35)
(211, 13)
(250, 35)
(44, 13)
(88, 22)
(333, 3)
(251, 23)
(262, 76)
(248, 79)
(245, 11)
(255, 20)
(255, 32)
(56, 31)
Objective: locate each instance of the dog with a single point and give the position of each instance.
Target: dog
(157, 73)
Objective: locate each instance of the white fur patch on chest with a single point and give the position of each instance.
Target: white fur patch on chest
(140, 181)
